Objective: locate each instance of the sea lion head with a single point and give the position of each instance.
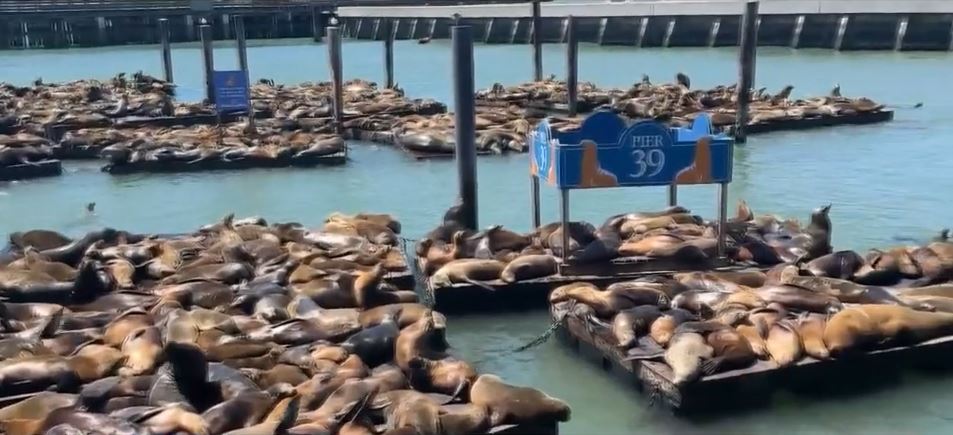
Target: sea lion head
(821, 217)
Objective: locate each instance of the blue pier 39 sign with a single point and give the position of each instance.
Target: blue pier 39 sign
(605, 152)
(231, 91)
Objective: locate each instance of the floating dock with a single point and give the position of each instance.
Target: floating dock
(46, 168)
(534, 293)
(754, 386)
(832, 24)
(166, 166)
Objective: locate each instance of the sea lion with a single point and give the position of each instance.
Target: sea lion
(410, 411)
(41, 240)
(700, 302)
(840, 264)
(416, 341)
(721, 281)
(731, 349)
(245, 409)
(508, 404)
(810, 328)
(863, 326)
(433, 257)
(375, 345)
(932, 267)
(784, 344)
(819, 234)
(755, 334)
(408, 313)
(604, 303)
(799, 298)
(141, 351)
(629, 324)
(26, 417)
(663, 328)
(449, 376)
(464, 419)
(686, 355)
(529, 267)
(467, 271)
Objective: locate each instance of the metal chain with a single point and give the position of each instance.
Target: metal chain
(421, 282)
(544, 337)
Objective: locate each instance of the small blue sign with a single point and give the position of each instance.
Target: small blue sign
(231, 91)
(606, 153)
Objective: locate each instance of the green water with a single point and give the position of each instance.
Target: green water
(887, 182)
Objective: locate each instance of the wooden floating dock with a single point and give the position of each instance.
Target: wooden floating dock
(753, 387)
(534, 293)
(46, 168)
(168, 166)
(821, 121)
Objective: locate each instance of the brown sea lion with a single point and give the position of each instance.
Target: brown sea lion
(467, 271)
(409, 411)
(784, 343)
(508, 404)
(810, 328)
(663, 328)
(799, 298)
(141, 351)
(433, 257)
(26, 417)
(942, 290)
(840, 264)
(245, 409)
(728, 281)
(409, 313)
(41, 240)
(755, 334)
(170, 418)
(863, 326)
(938, 303)
(464, 419)
(529, 267)
(604, 303)
(731, 349)
(416, 341)
(449, 376)
(646, 245)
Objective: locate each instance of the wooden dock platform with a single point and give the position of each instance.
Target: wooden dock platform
(46, 168)
(217, 164)
(755, 386)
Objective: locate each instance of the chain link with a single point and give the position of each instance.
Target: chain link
(545, 336)
(421, 282)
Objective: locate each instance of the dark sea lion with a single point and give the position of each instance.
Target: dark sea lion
(28, 286)
(185, 379)
(629, 324)
(731, 349)
(375, 345)
(508, 404)
(72, 253)
(819, 232)
(408, 313)
(686, 355)
(85, 422)
(529, 267)
(246, 409)
(784, 344)
(840, 264)
(864, 326)
(799, 298)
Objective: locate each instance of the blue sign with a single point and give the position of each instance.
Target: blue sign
(606, 153)
(231, 91)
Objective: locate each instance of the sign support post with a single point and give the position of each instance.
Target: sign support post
(673, 195)
(564, 221)
(534, 194)
(722, 218)
(389, 52)
(746, 68)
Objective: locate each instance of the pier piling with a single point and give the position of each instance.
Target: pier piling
(673, 195)
(722, 217)
(572, 68)
(166, 49)
(205, 32)
(317, 24)
(465, 121)
(334, 57)
(746, 65)
(389, 52)
(243, 64)
(537, 42)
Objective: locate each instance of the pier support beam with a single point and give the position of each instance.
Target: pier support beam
(713, 34)
(465, 122)
(317, 24)
(433, 28)
(951, 37)
(189, 28)
(205, 32)
(101, 34)
(668, 32)
(489, 30)
(334, 57)
(389, 53)
(413, 28)
(643, 27)
(746, 69)
(902, 24)
(166, 49)
(537, 42)
(226, 26)
(514, 30)
(841, 29)
(798, 28)
(377, 29)
(572, 67)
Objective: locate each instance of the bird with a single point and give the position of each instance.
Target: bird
(645, 79)
(683, 80)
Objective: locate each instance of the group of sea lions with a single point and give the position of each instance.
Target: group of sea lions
(678, 103)
(814, 303)
(202, 144)
(240, 327)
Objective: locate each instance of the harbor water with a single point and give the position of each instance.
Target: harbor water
(888, 184)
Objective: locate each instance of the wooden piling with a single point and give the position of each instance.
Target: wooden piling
(465, 121)
(389, 52)
(572, 54)
(166, 49)
(746, 65)
(205, 32)
(334, 57)
(537, 42)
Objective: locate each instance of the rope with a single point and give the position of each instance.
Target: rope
(545, 336)
(421, 282)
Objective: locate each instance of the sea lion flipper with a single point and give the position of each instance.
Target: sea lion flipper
(290, 415)
(710, 366)
(458, 392)
(51, 325)
(480, 284)
(637, 354)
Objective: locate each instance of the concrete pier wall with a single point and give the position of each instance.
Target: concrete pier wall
(832, 24)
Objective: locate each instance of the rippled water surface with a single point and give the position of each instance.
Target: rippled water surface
(888, 183)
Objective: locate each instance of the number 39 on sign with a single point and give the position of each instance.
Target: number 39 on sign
(648, 155)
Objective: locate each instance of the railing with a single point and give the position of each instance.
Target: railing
(46, 6)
